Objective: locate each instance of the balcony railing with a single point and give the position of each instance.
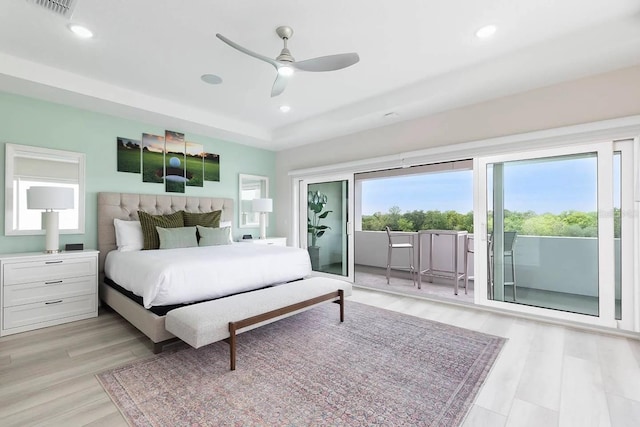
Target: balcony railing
(559, 264)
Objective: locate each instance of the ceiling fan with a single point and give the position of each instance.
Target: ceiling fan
(285, 64)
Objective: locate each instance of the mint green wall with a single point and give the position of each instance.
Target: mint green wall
(32, 122)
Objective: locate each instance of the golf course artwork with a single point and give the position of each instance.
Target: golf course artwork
(168, 159)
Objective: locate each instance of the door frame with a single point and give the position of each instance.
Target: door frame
(606, 270)
(299, 226)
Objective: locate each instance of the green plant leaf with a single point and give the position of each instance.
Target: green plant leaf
(324, 214)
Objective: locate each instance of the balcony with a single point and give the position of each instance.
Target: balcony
(552, 272)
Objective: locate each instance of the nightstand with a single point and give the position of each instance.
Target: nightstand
(39, 290)
(277, 241)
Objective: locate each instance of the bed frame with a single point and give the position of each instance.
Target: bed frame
(126, 206)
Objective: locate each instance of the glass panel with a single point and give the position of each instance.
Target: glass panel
(327, 225)
(543, 232)
(617, 230)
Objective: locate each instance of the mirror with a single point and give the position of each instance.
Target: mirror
(251, 187)
(27, 166)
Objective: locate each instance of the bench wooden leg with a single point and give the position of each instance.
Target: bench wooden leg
(232, 346)
(234, 326)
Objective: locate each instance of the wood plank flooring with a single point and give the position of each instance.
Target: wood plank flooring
(546, 375)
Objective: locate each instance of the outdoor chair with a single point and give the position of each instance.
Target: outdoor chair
(394, 243)
(510, 238)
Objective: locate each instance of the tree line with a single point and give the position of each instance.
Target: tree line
(567, 223)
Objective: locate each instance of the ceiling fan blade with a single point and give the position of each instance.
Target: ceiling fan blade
(248, 52)
(328, 63)
(279, 85)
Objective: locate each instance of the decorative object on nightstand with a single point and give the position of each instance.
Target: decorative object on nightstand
(50, 198)
(263, 206)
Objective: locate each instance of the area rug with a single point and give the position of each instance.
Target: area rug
(378, 368)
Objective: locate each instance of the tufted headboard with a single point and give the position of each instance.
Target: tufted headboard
(126, 206)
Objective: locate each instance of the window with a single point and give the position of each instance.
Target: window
(429, 197)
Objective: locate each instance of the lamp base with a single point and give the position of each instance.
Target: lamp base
(50, 224)
(263, 225)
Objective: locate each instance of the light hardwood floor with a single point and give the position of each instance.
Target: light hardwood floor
(546, 375)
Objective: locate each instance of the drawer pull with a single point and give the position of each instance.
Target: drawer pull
(53, 282)
(53, 302)
(53, 262)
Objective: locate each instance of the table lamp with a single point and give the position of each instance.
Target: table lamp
(50, 198)
(263, 206)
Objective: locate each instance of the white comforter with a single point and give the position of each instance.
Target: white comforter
(174, 276)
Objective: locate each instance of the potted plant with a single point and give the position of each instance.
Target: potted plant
(316, 201)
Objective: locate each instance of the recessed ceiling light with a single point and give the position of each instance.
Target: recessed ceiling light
(212, 79)
(486, 31)
(80, 31)
(285, 108)
(285, 71)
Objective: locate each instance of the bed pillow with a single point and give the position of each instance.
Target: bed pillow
(205, 219)
(214, 236)
(173, 238)
(150, 222)
(227, 224)
(128, 235)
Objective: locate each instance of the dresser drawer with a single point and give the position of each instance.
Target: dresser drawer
(28, 293)
(31, 314)
(48, 270)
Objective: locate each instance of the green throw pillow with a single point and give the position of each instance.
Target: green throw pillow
(206, 219)
(173, 238)
(214, 236)
(149, 223)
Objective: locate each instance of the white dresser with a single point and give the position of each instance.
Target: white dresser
(277, 241)
(39, 290)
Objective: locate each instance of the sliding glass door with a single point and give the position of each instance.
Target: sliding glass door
(551, 231)
(326, 227)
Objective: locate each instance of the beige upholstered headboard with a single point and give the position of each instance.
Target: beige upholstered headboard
(126, 206)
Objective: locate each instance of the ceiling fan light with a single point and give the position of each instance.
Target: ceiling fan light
(80, 31)
(285, 71)
(486, 31)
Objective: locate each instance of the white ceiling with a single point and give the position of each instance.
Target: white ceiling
(417, 57)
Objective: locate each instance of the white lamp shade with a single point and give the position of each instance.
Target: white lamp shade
(262, 205)
(49, 198)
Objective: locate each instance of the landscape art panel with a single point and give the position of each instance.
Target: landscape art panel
(175, 176)
(195, 164)
(128, 155)
(211, 167)
(152, 158)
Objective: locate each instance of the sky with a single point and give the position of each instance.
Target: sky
(435, 191)
(542, 186)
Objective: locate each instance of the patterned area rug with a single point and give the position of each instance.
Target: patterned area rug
(379, 367)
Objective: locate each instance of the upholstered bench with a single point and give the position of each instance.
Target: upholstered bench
(221, 319)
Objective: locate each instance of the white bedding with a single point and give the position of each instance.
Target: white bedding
(175, 276)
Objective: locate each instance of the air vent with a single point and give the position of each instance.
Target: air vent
(59, 7)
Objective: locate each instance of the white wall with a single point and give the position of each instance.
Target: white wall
(605, 96)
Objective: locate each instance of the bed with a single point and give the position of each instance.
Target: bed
(125, 206)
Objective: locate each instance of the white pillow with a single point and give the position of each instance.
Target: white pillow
(227, 224)
(128, 235)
